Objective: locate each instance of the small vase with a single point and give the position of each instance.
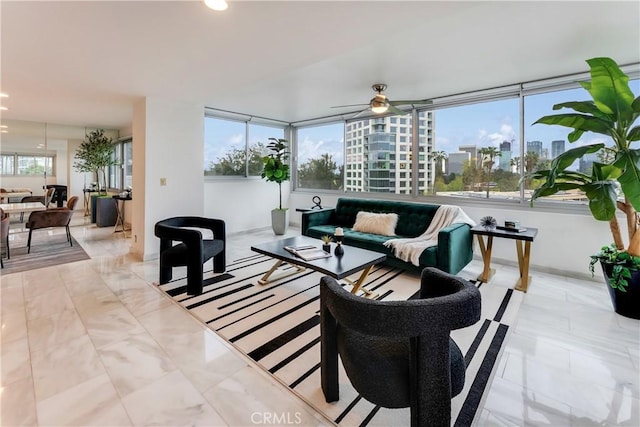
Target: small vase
(326, 248)
(338, 251)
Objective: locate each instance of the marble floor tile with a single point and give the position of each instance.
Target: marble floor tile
(90, 403)
(14, 325)
(48, 302)
(16, 362)
(63, 366)
(18, 403)
(135, 362)
(45, 332)
(170, 401)
(261, 400)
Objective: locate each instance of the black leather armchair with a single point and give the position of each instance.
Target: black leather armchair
(399, 354)
(192, 251)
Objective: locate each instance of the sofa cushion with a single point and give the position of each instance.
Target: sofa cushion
(376, 223)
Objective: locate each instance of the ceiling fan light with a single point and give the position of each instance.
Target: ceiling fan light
(218, 5)
(379, 109)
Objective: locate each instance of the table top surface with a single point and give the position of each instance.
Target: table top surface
(22, 207)
(529, 234)
(338, 267)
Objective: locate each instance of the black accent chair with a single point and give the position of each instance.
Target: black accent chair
(193, 251)
(399, 354)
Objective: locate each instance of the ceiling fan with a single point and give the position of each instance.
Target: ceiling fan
(380, 104)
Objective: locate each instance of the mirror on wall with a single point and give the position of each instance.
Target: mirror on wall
(36, 154)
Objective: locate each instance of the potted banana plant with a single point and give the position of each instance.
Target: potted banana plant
(614, 182)
(276, 169)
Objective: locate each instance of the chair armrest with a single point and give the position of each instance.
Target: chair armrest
(313, 218)
(455, 247)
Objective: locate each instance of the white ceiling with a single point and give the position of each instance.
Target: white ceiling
(86, 62)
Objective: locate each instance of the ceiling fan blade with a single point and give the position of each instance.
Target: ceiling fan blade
(412, 101)
(351, 105)
(396, 110)
(360, 113)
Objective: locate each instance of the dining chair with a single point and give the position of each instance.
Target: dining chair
(4, 234)
(52, 217)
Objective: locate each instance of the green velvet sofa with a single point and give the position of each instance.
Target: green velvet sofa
(454, 250)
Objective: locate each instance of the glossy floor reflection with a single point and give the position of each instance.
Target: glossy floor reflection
(95, 343)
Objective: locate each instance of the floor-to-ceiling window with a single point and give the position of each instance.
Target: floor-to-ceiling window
(320, 157)
(235, 147)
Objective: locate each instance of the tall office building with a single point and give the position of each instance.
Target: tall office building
(557, 148)
(379, 154)
(535, 147)
(473, 152)
(456, 161)
(504, 161)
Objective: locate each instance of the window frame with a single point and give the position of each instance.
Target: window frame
(16, 155)
(247, 120)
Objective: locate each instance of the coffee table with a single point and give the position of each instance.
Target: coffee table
(338, 267)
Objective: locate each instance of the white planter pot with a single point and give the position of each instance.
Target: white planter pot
(279, 221)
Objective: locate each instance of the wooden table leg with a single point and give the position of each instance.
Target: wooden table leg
(485, 251)
(264, 280)
(523, 264)
(358, 284)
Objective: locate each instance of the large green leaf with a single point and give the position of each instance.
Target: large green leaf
(588, 107)
(602, 199)
(580, 122)
(601, 171)
(634, 134)
(630, 177)
(610, 89)
(566, 159)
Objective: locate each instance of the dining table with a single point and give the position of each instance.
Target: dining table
(13, 208)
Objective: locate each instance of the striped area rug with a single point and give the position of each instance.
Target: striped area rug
(278, 326)
(46, 251)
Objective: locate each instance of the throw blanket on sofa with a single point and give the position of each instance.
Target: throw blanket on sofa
(409, 250)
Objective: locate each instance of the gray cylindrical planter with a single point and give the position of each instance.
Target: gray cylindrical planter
(279, 221)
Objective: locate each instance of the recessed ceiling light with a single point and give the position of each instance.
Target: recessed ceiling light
(3, 108)
(4, 126)
(4, 131)
(3, 95)
(216, 4)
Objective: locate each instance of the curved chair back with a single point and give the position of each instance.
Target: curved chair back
(193, 250)
(71, 203)
(399, 353)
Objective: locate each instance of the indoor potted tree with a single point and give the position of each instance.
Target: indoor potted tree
(614, 182)
(276, 169)
(94, 155)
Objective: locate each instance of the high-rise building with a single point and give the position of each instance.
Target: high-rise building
(557, 148)
(504, 161)
(473, 151)
(379, 154)
(535, 147)
(456, 161)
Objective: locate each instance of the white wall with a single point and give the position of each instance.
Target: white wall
(244, 204)
(563, 245)
(168, 143)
